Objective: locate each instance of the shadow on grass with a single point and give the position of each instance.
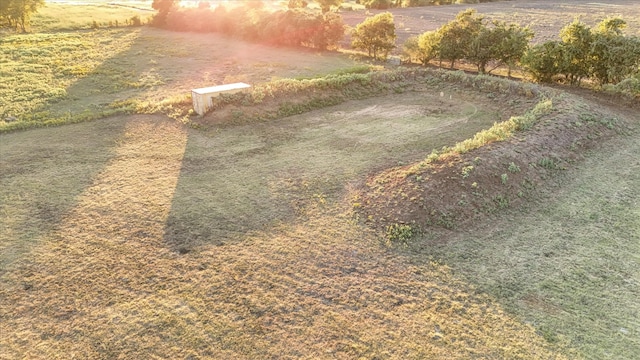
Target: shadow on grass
(44, 171)
(239, 179)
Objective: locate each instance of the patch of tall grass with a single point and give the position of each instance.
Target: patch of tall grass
(498, 132)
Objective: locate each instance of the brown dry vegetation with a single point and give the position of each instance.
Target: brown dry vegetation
(139, 237)
(94, 271)
(455, 188)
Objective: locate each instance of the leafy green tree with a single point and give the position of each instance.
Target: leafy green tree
(576, 48)
(543, 61)
(422, 48)
(456, 36)
(613, 56)
(513, 42)
(17, 13)
(483, 48)
(325, 5)
(376, 35)
(429, 44)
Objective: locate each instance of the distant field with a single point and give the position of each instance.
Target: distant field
(545, 18)
(67, 76)
(59, 16)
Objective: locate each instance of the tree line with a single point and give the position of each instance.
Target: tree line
(251, 22)
(603, 53)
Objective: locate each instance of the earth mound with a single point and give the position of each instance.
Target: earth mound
(456, 185)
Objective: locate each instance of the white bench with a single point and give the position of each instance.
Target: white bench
(203, 97)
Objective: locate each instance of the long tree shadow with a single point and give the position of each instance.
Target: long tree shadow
(238, 179)
(45, 171)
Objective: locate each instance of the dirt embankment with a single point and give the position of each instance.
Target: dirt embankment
(458, 188)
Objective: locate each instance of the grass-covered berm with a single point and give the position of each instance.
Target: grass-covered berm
(240, 235)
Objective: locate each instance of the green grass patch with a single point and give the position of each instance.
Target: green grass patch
(65, 17)
(67, 77)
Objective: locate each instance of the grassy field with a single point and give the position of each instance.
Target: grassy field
(568, 264)
(148, 239)
(68, 17)
(69, 76)
(142, 238)
(135, 236)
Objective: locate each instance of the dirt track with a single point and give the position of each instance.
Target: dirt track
(545, 18)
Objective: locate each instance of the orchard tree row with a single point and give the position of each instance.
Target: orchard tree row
(603, 53)
(471, 38)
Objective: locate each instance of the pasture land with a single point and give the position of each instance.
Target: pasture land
(136, 236)
(65, 77)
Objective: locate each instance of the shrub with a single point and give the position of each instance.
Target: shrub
(134, 21)
(543, 61)
(376, 35)
(400, 233)
(378, 4)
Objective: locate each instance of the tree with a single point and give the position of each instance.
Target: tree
(543, 61)
(163, 7)
(458, 34)
(576, 47)
(422, 48)
(513, 43)
(429, 44)
(325, 5)
(613, 56)
(501, 43)
(483, 48)
(17, 13)
(376, 35)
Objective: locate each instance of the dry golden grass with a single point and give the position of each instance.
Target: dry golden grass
(102, 275)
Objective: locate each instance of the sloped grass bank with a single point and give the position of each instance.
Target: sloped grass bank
(288, 97)
(497, 168)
